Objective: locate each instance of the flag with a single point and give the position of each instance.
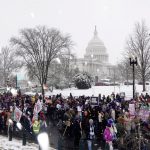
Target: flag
(37, 109)
(17, 114)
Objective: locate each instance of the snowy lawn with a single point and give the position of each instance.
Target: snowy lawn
(17, 145)
(103, 90)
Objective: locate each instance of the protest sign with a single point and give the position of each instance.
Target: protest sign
(94, 101)
(37, 109)
(17, 114)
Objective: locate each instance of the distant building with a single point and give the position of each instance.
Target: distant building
(96, 59)
(22, 83)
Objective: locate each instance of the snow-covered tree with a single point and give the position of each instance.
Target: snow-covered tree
(82, 81)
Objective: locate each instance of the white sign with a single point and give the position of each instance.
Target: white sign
(132, 109)
(38, 107)
(17, 114)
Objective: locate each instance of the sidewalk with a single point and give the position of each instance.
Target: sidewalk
(17, 145)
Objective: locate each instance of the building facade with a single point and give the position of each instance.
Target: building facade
(96, 59)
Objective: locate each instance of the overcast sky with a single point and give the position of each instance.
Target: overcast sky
(114, 19)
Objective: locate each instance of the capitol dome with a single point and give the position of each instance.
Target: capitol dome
(96, 49)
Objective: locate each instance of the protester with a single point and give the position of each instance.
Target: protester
(127, 123)
(77, 131)
(1, 123)
(100, 123)
(76, 115)
(108, 136)
(85, 122)
(43, 124)
(90, 134)
(36, 129)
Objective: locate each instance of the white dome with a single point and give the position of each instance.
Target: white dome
(95, 41)
(96, 48)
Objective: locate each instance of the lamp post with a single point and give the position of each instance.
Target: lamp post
(97, 74)
(16, 82)
(92, 61)
(92, 72)
(10, 130)
(132, 63)
(84, 67)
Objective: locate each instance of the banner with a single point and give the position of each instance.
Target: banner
(17, 114)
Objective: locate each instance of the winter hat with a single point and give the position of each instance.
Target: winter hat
(110, 121)
(108, 125)
(91, 121)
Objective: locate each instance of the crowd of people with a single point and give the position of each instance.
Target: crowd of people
(75, 116)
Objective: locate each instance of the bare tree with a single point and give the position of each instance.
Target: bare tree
(38, 47)
(8, 64)
(68, 67)
(62, 71)
(138, 45)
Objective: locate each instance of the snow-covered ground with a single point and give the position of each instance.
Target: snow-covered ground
(17, 145)
(103, 90)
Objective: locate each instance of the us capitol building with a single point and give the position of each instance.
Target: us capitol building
(96, 60)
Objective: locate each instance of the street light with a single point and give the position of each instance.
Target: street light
(16, 82)
(97, 75)
(92, 62)
(132, 63)
(92, 70)
(84, 66)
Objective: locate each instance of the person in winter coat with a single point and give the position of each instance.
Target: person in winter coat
(100, 123)
(127, 123)
(90, 134)
(26, 123)
(68, 122)
(36, 129)
(77, 131)
(43, 124)
(113, 127)
(113, 114)
(1, 123)
(108, 136)
(85, 120)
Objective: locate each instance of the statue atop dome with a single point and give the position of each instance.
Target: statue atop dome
(95, 32)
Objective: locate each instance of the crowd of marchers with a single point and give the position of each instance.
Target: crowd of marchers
(75, 117)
